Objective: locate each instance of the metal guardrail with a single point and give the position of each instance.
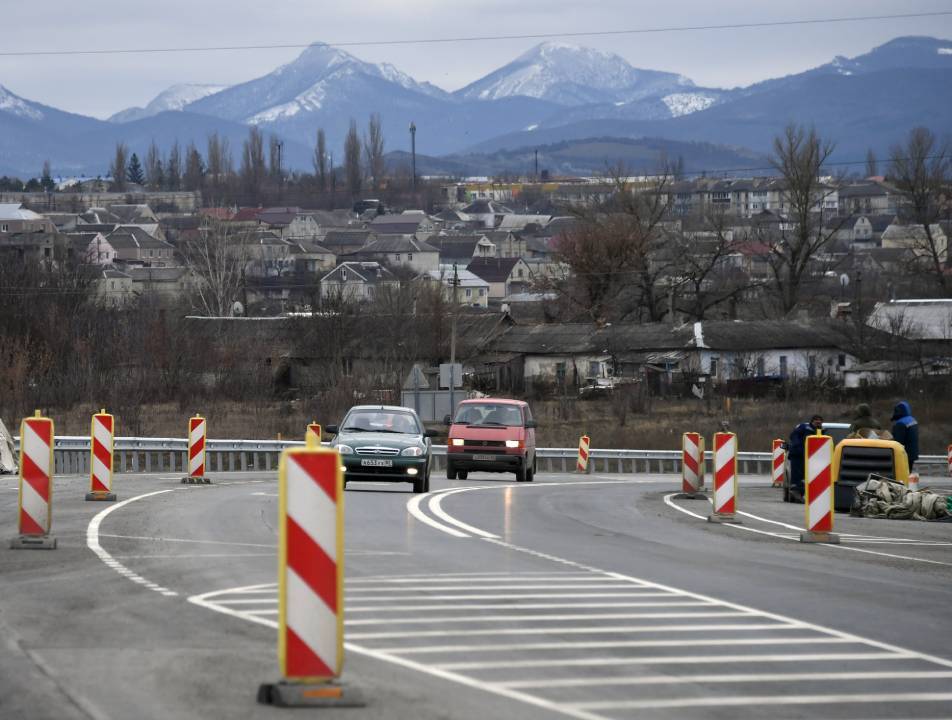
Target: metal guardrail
(135, 454)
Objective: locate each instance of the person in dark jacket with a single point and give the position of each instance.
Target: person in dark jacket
(796, 448)
(906, 430)
(864, 420)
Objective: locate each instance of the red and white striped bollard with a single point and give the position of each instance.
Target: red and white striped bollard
(101, 436)
(197, 433)
(581, 466)
(35, 501)
(818, 490)
(692, 463)
(779, 460)
(725, 478)
(313, 429)
(949, 457)
(310, 581)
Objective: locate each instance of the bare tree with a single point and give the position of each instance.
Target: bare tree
(117, 169)
(799, 155)
(253, 164)
(217, 256)
(373, 149)
(154, 170)
(615, 254)
(922, 169)
(219, 164)
(352, 160)
(320, 160)
(173, 171)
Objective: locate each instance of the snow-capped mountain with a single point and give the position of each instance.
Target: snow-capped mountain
(304, 85)
(173, 98)
(571, 75)
(15, 105)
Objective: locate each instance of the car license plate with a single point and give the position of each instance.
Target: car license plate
(484, 457)
(376, 462)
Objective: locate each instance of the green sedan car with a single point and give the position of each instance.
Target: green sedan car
(384, 443)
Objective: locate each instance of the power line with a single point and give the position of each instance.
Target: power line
(480, 38)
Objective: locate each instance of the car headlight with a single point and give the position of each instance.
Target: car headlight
(513, 443)
(344, 449)
(412, 451)
(458, 442)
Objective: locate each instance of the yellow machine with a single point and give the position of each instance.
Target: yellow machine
(855, 458)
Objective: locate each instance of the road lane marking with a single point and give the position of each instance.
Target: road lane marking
(182, 540)
(604, 645)
(668, 500)
(594, 630)
(189, 556)
(92, 542)
(596, 584)
(547, 618)
(765, 700)
(615, 661)
(528, 576)
(727, 678)
(413, 507)
(509, 596)
(528, 606)
(434, 507)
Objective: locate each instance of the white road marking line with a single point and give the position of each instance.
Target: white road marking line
(264, 494)
(434, 507)
(765, 700)
(604, 645)
(246, 601)
(182, 540)
(670, 503)
(596, 584)
(189, 556)
(675, 660)
(530, 575)
(508, 596)
(727, 678)
(527, 606)
(548, 618)
(593, 630)
(413, 507)
(92, 542)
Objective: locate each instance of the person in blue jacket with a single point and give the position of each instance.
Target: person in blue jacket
(796, 449)
(905, 430)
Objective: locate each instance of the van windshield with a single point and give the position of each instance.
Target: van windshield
(490, 414)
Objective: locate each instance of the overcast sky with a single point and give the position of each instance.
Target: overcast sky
(102, 85)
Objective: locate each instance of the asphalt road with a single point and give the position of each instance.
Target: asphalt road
(587, 597)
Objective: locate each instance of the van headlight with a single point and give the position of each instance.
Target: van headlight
(513, 443)
(344, 449)
(456, 442)
(412, 452)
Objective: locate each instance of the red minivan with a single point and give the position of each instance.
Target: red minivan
(494, 435)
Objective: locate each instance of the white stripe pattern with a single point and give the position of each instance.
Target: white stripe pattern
(822, 503)
(311, 620)
(36, 448)
(310, 507)
(35, 506)
(195, 434)
(723, 456)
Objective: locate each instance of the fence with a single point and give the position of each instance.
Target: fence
(134, 455)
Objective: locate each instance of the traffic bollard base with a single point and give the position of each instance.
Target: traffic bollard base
(33, 542)
(101, 495)
(723, 518)
(288, 694)
(819, 537)
(196, 480)
(696, 495)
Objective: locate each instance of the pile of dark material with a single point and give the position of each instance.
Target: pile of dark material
(884, 498)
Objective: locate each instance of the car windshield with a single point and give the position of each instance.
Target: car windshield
(489, 414)
(385, 421)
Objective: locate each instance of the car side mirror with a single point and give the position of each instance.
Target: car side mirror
(447, 420)
(531, 424)
(432, 433)
(332, 429)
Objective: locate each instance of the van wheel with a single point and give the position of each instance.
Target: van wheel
(462, 474)
(530, 476)
(522, 475)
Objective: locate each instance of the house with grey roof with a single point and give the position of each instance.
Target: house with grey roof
(504, 275)
(133, 245)
(342, 241)
(357, 281)
(409, 222)
(459, 285)
(398, 251)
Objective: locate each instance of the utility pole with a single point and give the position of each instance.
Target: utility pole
(413, 156)
(537, 165)
(453, 340)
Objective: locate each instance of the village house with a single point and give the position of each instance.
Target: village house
(410, 222)
(357, 281)
(470, 289)
(504, 275)
(400, 251)
(133, 245)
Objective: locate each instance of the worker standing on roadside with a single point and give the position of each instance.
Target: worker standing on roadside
(864, 422)
(796, 448)
(906, 430)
